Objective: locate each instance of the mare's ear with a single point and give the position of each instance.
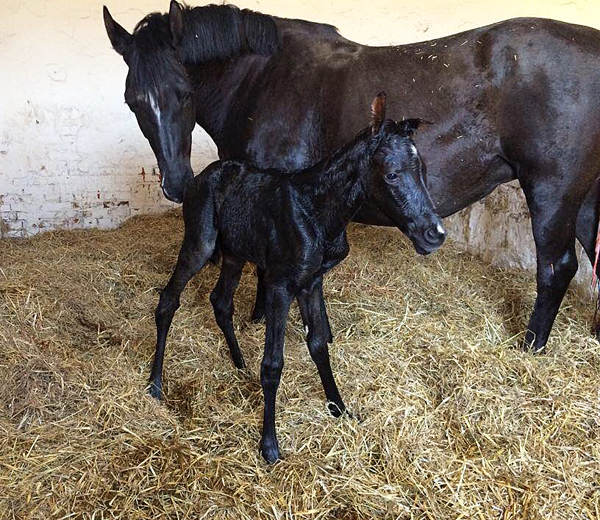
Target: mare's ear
(378, 112)
(119, 37)
(410, 126)
(176, 22)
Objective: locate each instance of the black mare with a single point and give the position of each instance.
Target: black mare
(519, 99)
(293, 226)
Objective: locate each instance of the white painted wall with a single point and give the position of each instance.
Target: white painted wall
(71, 153)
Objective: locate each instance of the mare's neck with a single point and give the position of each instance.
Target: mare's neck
(218, 88)
(337, 185)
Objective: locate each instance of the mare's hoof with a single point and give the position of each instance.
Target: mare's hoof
(155, 390)
(270, 453)
(596, 331)
(336, 410)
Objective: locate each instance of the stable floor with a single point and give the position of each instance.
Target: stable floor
(449, 419)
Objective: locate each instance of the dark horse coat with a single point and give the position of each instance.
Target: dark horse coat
(519, 99)
(293, 225)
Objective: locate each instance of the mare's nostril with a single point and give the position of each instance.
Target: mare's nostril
(436, 234)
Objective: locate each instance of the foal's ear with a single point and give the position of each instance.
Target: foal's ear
(410, 126)
(176, 22)
(378, 112)
(119, 37)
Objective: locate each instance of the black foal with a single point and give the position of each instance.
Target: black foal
(293, 227)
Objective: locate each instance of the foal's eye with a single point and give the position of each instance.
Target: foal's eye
(391, 176)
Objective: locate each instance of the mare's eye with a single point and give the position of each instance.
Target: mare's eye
(391, 176)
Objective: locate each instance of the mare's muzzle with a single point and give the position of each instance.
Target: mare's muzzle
(173, 182)
(428, 237)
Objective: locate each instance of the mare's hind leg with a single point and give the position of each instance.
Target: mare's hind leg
(194, 254)
(222, 302)
(319, 334)
(587, 229)
(553, 216)
(258, 313)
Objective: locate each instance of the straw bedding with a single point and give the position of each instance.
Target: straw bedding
(449, 419)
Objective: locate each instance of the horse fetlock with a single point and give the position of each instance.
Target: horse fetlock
(155, 389)
(336, 409)
(269, 449)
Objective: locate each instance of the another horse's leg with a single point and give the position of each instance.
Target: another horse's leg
(258, 313)
(278, 300)
(302, 305)
(222, 302)
(587, 229)
(319, 335)
(324, 310)
(553, 216)
(194, 253)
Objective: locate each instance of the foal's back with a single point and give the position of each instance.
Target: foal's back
(259, 213)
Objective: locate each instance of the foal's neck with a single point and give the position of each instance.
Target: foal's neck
(337, 185)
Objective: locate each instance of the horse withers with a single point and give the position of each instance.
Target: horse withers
(293, 227)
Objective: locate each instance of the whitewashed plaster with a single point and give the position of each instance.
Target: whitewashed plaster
(72, 155)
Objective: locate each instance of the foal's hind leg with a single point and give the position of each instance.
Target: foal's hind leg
(319, 334)
(194, 253)
(222, 302)
(278, 299)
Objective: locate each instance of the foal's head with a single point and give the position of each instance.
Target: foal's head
(158, 92)
(397, 185)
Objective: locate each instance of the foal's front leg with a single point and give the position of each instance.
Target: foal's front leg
(278, 301)
(194, 254)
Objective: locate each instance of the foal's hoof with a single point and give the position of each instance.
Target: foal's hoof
(335, 409)
(155, 390)
(532, 348)
(270, 453)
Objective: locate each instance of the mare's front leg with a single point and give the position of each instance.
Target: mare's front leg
(222, 302)
(278, 300)
(553, 217)
(258, 313)
(319, 334)
(194, 254)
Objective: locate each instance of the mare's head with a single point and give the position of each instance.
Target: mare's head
(158, 92)
(158, 89)
(397, 186)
